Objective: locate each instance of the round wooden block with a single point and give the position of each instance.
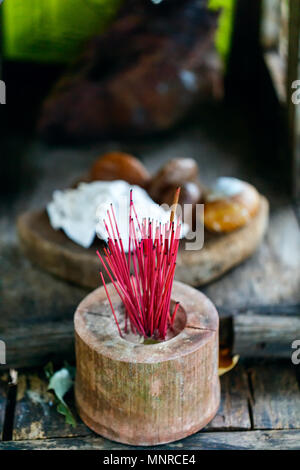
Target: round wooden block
(53, 251)
(147, 394)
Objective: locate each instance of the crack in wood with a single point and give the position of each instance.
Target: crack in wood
(200, 328)
(99, 314)
(251, 398)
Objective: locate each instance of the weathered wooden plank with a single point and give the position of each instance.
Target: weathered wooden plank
(54, 340)
(264, 335)
(36, 312)
(3, 399)
(43, 342)
(272, 275)
(244, 440)
(233, 413)
(36, 416)
(276, 310)
(276, 397)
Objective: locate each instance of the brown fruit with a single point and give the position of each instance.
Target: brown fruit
(225, 214)
(174, 173)
(119, 166)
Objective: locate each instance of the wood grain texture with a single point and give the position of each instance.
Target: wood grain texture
(272, 275)
(244, 440)
(53, 340)
(37, 311)
(36, 344)
(233, 414)
(265, 335)
(53, 251)
(36, 416)
(276, 397)
(146, 394)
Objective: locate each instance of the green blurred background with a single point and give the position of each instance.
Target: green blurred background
(52, 31)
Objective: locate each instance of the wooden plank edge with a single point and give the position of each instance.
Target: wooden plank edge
(264, 335)
(56, 339)
(245, 440)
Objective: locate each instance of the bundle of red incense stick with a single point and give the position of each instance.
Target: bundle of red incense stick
(146, 292)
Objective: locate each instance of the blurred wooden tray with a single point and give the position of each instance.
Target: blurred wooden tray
(53, 251)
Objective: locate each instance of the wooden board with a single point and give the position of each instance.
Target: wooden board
(244, 440)
(276, 397)
(254, 402)
(36, 416)
(233, 414)
(53, 251)
(265, 335)
(272, 275)
(36, 320)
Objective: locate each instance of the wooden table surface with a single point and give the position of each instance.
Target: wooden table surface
(260, 401)
(260, 409)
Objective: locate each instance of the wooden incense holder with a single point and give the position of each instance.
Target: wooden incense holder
(53, 251)
(147, 394)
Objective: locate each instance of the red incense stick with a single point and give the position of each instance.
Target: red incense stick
(146, 294)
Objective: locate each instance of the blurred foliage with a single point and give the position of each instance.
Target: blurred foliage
(52, 30)
(225, 25)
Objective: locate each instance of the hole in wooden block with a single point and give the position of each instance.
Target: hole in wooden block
(179, 325)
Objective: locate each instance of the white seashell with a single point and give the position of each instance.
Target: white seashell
(80, 212)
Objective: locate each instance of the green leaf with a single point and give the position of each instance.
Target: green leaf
(61, 382)
(63, 409)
